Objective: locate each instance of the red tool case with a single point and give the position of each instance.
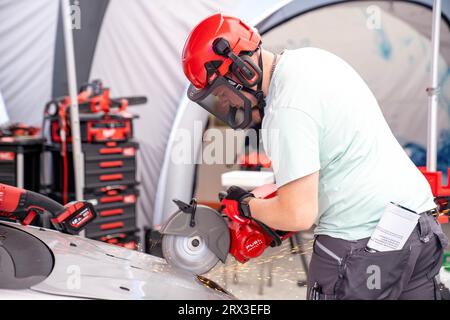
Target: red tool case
(97, 128)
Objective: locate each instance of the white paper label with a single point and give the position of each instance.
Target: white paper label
(393, 229)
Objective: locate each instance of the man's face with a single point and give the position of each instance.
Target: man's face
(227, 98)
(249, 96)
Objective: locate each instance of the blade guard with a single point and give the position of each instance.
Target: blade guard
(209, 225)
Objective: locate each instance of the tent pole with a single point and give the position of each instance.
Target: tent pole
(433, 91)
(72, 84)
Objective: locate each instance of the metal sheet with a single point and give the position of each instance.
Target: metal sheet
(87, 268)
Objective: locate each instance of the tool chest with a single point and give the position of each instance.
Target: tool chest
(104, 227)
(113, 195)
(20, 159)
(110, 184)
(114, 205)
(127, 240)
(109, 160)
(103, 166)
(115, 211)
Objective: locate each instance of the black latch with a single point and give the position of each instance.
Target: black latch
(188, 208)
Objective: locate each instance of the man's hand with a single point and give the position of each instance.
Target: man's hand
(241, 196)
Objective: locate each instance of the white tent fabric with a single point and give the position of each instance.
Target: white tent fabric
(4, 118)
(399, 55)
(27, 42)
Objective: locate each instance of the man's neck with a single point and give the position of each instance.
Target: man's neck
(268, 60)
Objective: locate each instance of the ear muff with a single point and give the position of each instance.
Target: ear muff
(242, 67)
(246, 71)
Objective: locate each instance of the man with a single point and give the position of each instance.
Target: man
(336, 162)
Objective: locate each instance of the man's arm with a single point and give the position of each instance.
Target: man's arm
(295, 207)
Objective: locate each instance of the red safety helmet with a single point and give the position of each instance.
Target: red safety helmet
(199, 50)
(218, 46)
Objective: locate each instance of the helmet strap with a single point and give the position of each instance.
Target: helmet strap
(259, 95)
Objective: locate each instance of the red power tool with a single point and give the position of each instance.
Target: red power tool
(195, 238)
(24, 206)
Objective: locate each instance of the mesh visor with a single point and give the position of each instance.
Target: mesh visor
(224, 100)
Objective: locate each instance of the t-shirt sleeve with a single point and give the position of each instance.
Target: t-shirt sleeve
(292, 145)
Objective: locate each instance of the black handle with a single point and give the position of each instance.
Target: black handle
(38, 201)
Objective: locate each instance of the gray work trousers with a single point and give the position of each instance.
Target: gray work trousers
(341, 269)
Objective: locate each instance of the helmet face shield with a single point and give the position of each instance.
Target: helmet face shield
(223, 99)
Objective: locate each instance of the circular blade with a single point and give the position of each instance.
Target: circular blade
(188, 253)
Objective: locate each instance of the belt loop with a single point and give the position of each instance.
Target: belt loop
(425, 228)
(314, 242)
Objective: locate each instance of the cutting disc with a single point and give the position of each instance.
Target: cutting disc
(188, 253)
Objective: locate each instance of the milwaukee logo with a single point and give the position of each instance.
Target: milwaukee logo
(7, 156)
(108, 133)
(253, 245)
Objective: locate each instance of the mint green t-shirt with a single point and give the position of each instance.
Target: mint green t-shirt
(321, 116)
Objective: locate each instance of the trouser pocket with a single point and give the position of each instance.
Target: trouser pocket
(372, 275)
(323, 272)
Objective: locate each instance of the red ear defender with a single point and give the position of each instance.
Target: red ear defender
(242, 67)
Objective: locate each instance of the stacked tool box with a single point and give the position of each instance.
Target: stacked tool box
(20, 156)
(109, 154)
